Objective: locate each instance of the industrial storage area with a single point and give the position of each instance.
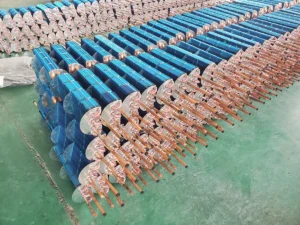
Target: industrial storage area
(149, 112)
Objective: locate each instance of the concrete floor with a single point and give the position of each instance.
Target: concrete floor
(250, 176)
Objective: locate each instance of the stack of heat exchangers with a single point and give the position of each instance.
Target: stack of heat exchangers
(120, 106)
(61, 21)
(26, 28)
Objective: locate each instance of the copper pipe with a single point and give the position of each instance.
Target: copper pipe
(224, 77)
(209, 121)
(166, 167)
(132, 142)
(202, 141)
(221, 129)
(163, 154)
(151, 175)
(183, 119)
(225, 108)
(186, 97)
(244, 111)
(244, 76)
(212, 135)
(192, 146)
(176, 128)
(111, 170)
(172, 165)
(143, 158)
(125, 152)
(111, 129)
(131, 121)
(225, 119)
(159, 121)
(200, 89)
(180, 153)
(177, 147)
(129, 174)
(102, 194)
(97, 203)
(205, 105)
(208, 107)
(95, 187)
(150, 131)
(120, 201)
(137, 186)
(142, 179)
(262, 96)
(91, 209)
(169, 104)
(256, 99)
(147, 145)
(128, 155)
(121, 161)
(200, 129)
(212, 83)
(157, 172)
(127, 189)
(150, 111)
(179, 160)
(190, 151)
(237, 102)
(246, 101)
(112, 188)
(151, 159)
(166, 126)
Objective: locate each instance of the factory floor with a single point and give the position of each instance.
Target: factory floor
(249, 176)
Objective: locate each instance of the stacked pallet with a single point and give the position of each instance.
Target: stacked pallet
(138, 101)
(58, 22)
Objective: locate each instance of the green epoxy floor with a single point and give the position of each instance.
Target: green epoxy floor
(249, 176)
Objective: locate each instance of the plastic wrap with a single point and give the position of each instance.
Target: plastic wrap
(16, 71)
